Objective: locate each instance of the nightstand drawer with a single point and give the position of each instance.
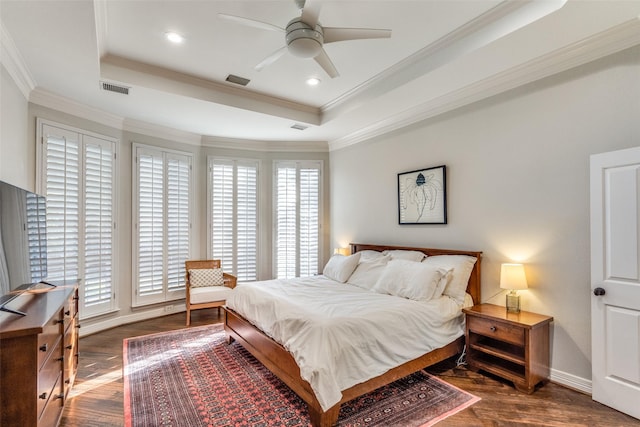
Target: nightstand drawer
(497, 330)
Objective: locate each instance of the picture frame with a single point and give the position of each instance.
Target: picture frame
(422, 196)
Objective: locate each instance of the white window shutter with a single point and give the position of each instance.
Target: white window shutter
(297, 212)
(233, 215)
(150, 224)
(98, 224)
(178, 220)
(163, 210)
(63, 205)
(78, 179)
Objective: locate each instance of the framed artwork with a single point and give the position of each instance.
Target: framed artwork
(422, 196)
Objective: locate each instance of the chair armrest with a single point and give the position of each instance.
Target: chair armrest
(229, 280)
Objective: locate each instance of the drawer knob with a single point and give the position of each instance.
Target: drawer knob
(60, 396)
(44, 347)
(67, 313)
(493, 329)
(599, 292)
(69, 347)
(43, 396)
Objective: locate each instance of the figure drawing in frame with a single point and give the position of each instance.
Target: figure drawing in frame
(422, 196)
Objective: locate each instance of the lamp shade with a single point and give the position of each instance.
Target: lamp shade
(342, 251)
(512, 277)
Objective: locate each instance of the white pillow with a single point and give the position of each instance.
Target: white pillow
(462, 266)
(368, 272)
(410, 279)
(202, 277)
(416, 256)
(368, 255)
(340, 267)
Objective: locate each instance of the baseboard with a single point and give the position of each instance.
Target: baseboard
(571, 381)
(102, 325)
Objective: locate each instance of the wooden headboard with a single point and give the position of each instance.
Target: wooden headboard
(473, 287)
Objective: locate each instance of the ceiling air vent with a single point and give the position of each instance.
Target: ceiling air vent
(114, 88)
(299, 127)
(237, 80)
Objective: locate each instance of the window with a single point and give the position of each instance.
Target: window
(77, 174)
(162, 203)
(297, 218)
(233, 215)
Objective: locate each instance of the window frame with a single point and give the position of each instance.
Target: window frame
(112, 305)
(298, 164)
(234, 162)
(166, 295)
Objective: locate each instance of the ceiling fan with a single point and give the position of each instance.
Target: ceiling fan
(304, 36)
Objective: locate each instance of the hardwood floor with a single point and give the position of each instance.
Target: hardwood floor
(97, 397)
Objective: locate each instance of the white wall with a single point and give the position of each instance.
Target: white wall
(518, 188)
(17, 164)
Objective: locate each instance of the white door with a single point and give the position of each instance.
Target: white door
(615, 279)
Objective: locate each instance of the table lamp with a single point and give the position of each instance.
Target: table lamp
(512, 277)
(342, 251)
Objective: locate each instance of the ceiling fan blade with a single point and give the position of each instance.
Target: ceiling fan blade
(271, 58)
(333, 34)
(251, 22)
(311, 12)
(325, 62)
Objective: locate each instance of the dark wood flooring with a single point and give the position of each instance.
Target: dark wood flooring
(97, 397)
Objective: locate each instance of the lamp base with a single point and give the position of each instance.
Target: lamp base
(513, 302)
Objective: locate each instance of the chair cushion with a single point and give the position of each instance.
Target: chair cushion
(209, 294)
(201, 277)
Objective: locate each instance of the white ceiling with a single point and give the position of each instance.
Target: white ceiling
(442, 54)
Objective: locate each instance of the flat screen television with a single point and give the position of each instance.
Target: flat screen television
(23, 242)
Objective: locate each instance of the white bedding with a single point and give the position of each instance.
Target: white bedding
(341, 335)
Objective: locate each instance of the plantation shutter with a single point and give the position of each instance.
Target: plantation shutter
(150, 224)
(178, 221)
(163, 205)
(98, 223)
(78, 180)
(247, 222)
(297, 242)
(234, 215)
(309, 221)
(286, 222)
(63, 205)
(222, 202)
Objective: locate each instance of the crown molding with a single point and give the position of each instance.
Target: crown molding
(503, 19)
(13, 62)
(265, 146)
(60, 103)
(162, 132)
(608, 42)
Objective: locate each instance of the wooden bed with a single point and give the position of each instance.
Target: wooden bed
(279, 361)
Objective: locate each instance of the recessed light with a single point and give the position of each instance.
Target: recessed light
(313, 81)
(174, 37)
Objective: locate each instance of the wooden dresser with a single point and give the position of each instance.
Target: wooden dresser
(38, 356)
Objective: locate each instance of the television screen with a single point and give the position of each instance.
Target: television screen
(23, 239)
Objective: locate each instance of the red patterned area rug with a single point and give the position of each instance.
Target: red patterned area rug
(191, 377)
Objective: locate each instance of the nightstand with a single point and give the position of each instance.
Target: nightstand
(513, 346)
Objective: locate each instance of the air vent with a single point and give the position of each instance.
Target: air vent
(299, 127)
(114, 88)
(237, 80)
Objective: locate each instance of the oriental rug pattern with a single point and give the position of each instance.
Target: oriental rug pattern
(191, 377)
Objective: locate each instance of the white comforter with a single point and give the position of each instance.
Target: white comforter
(341, 335)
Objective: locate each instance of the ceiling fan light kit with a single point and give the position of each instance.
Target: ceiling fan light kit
(302, 40)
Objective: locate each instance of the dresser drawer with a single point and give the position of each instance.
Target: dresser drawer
(47, 339)
(497, 330)
(53, 407)
(49, 377)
